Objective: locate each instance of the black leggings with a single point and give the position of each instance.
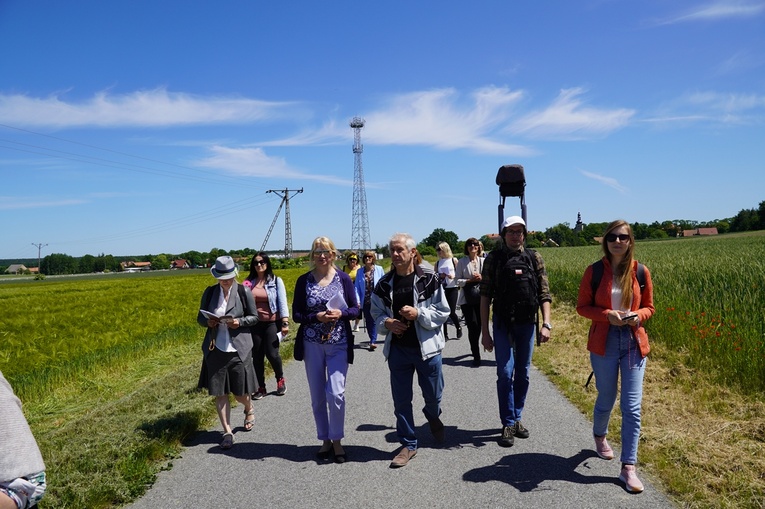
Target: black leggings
(265, 343)
(472, 316)
(451, 298)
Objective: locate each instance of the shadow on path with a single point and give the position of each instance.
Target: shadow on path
(526, 471)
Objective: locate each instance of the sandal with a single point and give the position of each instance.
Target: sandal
(249, 419)
(228, 441)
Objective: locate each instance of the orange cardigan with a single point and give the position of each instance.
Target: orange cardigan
(597, 309)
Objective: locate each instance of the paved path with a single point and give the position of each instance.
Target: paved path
(274, 465)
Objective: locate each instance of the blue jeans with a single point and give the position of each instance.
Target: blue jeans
(403, 363)
(369, 323)
(513, 346)
(622, 355)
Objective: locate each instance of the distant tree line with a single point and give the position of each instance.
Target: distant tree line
(562, 234)
(60, 264)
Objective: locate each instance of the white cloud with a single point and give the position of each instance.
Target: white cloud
(436, 118)
(146, 108)
(713, 108)
(567, 118)
(254, 162)
(608, 181)
(714, 11)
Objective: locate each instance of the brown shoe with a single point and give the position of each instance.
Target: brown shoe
(403, 457)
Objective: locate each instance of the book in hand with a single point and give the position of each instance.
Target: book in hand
(221, 319)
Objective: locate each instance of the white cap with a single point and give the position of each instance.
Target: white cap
(513, 220)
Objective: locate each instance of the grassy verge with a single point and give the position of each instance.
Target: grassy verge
(703, 443)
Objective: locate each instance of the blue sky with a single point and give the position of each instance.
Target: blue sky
(147, 127)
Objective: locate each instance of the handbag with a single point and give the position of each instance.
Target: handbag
(472, 294)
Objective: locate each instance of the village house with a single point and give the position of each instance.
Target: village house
(16, 268)
(700, 231)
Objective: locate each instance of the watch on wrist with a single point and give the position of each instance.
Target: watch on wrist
(547, 325)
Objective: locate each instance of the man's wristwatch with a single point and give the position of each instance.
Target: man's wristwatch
(547, 325)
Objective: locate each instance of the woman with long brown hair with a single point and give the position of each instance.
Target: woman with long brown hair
(618, 302)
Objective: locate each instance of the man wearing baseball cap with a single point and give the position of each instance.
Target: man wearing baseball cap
(514, 279)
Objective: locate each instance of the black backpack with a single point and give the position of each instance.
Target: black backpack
(516, 299)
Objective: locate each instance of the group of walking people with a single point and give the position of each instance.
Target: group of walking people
(501, 296)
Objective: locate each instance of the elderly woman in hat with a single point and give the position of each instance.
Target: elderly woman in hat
(228, 311)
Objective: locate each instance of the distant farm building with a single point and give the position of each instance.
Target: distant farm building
(180, 264)
(135, 266)
(16, 268)
(700, 231)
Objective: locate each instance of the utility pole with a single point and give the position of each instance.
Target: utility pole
(360, 239)
(39, 248)
(287, 221)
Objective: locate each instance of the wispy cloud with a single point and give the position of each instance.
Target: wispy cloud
(712, 107)
(20, 202)
(740, 61)
(439, 118)
(146, 108)
(254, 162)
(608, 181)
(714, 11)
(568, 118)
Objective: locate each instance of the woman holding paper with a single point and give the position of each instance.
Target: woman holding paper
(271, 301)
(228, 311)
(324, 304)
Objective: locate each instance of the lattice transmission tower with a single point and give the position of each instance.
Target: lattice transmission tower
(360, 240)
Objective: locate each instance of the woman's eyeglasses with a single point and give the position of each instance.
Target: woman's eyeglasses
(611, 237)
(322, 252)
(260, 262)
(472, 244)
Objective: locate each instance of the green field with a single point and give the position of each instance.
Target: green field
(107, 365)
(709, 295)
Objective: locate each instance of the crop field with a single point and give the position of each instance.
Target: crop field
(709, 295)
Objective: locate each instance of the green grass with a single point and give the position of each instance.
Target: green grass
(107, 369)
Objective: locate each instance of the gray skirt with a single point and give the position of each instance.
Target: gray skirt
(225, 373)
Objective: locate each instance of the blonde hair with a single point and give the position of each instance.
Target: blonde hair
(623, 272)
(324, 242)
(444, 250)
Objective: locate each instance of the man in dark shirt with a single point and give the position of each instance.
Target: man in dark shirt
(514, 327)
(409, 303)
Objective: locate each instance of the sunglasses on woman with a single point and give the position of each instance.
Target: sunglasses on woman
(611, 237)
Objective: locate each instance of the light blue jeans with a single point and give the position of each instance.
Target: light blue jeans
(513, 347)
(622, 356)
(403, 364)
(326, 367)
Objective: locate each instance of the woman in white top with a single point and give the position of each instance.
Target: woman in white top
(445, 268)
